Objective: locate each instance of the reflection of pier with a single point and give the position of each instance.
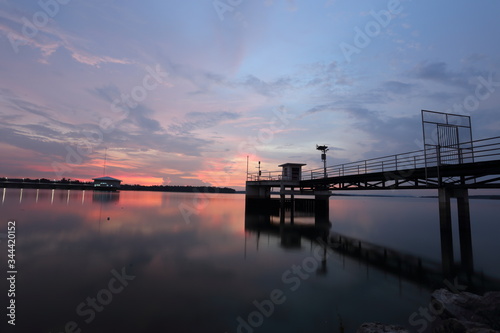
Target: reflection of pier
(418, 270)
(451, 163)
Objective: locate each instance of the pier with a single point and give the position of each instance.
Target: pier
(450, 163)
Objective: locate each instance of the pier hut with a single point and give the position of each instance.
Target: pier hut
(291, 171)
(106, 183)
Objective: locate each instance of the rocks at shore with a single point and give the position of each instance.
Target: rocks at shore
(454, 312)
(467, 312)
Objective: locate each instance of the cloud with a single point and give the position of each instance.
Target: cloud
(137, 114)
(321, 108)
(48, 39)
(36, 144)
(439, 72)
(202, 120)
(94, 60)
(398, 87)
(269, 89)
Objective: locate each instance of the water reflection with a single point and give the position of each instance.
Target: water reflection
(106, 197)
(314, 228)
(198, 274)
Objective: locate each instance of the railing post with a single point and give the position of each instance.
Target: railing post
(343, 173)
(396, 158)
(365, 166)
(438, 155)
(414, 162)
(382, 166)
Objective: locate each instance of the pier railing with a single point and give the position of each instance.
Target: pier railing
(466, 152)
(432, 156)
(265, 175)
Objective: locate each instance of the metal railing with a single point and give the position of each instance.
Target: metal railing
(467, 152)
(265, 175)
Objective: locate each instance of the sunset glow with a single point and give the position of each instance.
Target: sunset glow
(179, 93)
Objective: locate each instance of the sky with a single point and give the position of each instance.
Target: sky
(182, 92)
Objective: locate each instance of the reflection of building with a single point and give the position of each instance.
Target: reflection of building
(106, 183)
(106, 197)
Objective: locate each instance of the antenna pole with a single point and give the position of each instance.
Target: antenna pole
(104, 166)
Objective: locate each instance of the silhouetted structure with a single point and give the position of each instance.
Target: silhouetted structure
(450, 162)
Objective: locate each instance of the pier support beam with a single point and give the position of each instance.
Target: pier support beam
(446, 231)
(321, 207)
(445, 195)
(464, 229)
(282, 203)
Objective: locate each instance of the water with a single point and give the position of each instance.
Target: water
(180, 262)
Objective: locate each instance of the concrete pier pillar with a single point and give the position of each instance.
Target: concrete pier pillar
(446, 231)
(257, 192)
(257, 198)
(466, 256)
(282, 204)
(321, 207)
(464, 229)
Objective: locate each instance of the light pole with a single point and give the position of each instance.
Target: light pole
(323, 149)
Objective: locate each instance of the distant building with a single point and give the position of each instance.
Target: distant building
(106, 183)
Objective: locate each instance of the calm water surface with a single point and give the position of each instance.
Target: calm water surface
(178, 262)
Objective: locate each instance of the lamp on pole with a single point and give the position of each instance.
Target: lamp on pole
(323, 149)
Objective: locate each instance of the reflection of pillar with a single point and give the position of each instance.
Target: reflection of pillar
(464, 230)
(446, 231)
(321, 207)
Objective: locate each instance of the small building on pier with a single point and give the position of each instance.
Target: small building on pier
(291, 171)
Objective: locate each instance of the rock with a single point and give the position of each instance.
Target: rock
(466, 312)
(380, 328)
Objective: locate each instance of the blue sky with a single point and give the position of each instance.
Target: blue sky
(181, 92)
